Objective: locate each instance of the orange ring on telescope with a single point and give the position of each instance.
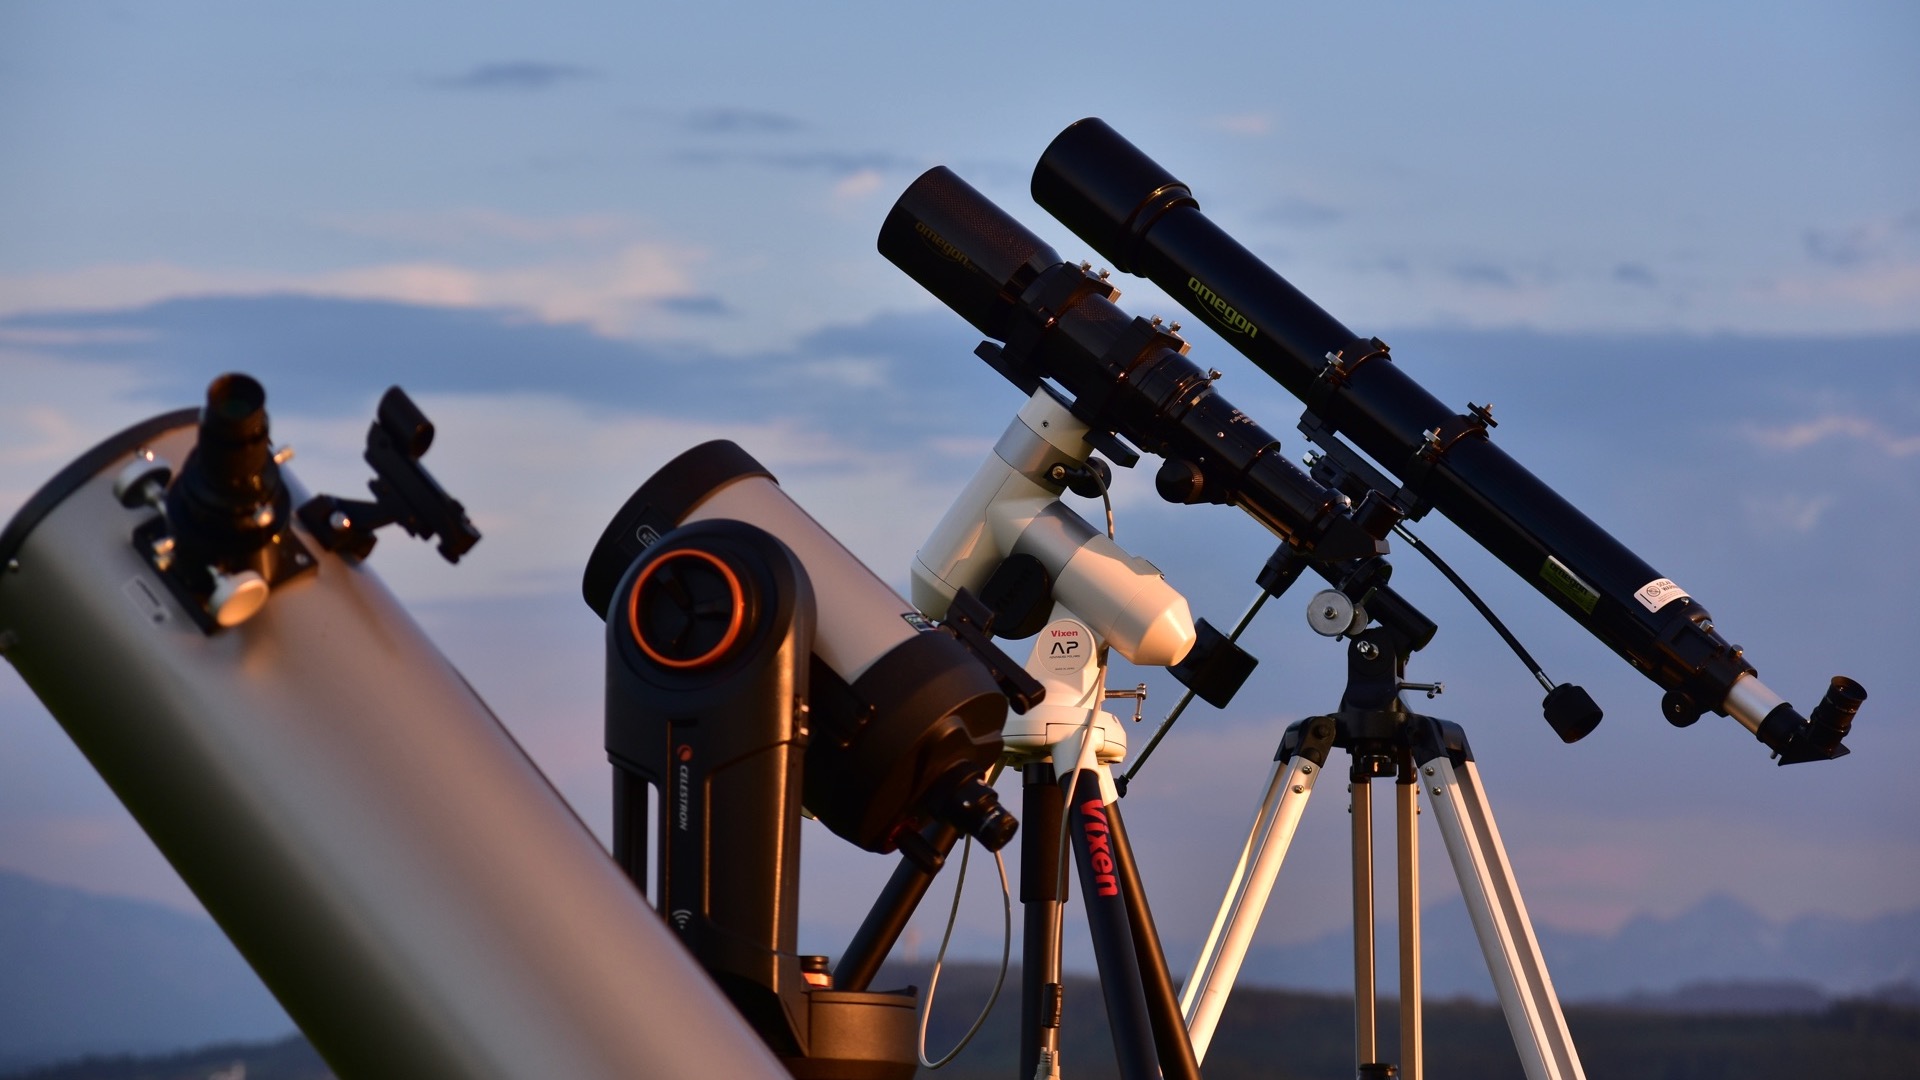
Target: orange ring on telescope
(733, 626)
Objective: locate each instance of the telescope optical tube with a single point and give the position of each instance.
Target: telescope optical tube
(1146, 222)
(398, 873)
(905, 721)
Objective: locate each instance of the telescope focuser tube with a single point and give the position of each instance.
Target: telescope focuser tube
(1145, 221)
(1128, 376)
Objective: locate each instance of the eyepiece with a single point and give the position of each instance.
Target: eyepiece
(1103, 188)
(1833, 717)
(963, 249)
(233, 446)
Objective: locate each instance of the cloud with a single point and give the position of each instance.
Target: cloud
(1835, 426)
(725, 121)
(1483, 273)
(466, 226)
(1873, 241)
(1633, 273)
(1789, 512)
(515, 75)
(704, 304)
(858, 185)
(1244, 124)
(1887, 289)
(613, 292)
(1301, 211)
(836, 163)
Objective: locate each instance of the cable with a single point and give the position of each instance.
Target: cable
(1485, 611)
(1006, 953)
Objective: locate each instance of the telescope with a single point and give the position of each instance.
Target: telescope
(397, 871)
(1146, 222)
(1126, 376)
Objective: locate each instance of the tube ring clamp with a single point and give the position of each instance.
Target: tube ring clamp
(1340, 366)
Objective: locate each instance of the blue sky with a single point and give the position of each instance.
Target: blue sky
(1678, 247)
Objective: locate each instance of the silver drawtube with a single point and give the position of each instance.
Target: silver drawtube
(397, 871)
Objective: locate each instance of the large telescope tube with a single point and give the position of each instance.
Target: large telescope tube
(1146, 222)
(400, 875)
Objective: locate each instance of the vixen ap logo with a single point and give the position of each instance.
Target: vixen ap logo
(1065, 646)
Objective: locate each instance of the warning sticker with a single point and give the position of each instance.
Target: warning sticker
(1065, 646)
(1556, 574)
(1658, 593)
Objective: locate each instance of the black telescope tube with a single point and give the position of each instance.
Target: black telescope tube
(1126, 375)
(1146, 222)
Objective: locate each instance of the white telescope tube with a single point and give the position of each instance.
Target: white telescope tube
(400, 875)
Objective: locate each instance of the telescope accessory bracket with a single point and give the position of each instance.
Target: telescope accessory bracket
(405, 494)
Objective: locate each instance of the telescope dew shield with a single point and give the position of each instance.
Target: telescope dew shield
(1136, 214)
(400, 875)
(905, 722)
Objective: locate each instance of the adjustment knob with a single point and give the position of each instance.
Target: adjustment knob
(1331, 614)
(236, 597)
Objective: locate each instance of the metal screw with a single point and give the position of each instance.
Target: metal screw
(13, 566)
(1428, 770)
(1173, 328)
(1435, 790)
(283, 455)
(263, 517)
(1307, 768)
(1367, 650)
(1299, 788)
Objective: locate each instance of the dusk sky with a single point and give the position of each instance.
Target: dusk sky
(1677, 246)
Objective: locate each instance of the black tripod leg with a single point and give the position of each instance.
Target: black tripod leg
(889, 914)
(1177, 1061)
(1119, 967)
(1043, 893)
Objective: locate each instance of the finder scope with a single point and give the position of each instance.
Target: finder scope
(1146, 222)
(1127, 376)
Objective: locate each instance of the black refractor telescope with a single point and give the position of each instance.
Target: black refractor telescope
(1136, 214)
(1127, 376)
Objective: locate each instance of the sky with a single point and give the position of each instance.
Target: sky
(1678, 246)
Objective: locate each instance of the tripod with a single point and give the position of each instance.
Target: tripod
(1064, 749)
(1383, 738)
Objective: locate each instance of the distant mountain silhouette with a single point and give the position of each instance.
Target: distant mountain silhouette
(1718, 940)
(87, 974)
(83, 974)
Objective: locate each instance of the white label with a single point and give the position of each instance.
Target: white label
(1658, 593)
(1065, 646)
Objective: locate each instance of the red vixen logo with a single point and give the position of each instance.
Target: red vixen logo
(1093, 814)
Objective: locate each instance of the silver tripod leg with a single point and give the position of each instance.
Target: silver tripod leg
(1206, 990)
(1500, 920)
